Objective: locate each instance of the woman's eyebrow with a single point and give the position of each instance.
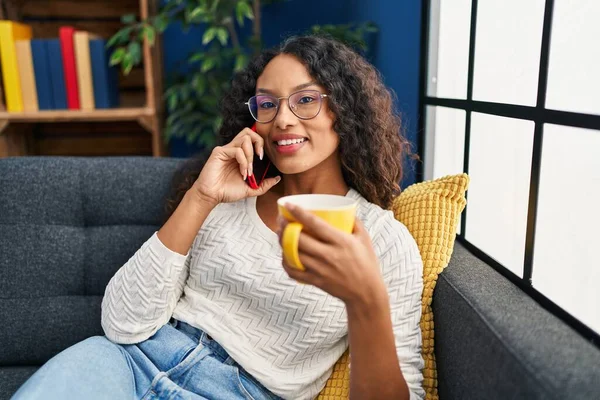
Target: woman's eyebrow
(299, 87)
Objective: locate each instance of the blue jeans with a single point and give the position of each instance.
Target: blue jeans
(178, 362)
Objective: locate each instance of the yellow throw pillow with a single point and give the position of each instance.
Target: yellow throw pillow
(338, 384)
(431, 211)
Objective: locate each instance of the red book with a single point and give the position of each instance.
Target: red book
(70, 70)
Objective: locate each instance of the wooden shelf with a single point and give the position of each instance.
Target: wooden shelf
(145, 116)
(45, 19)
(115, 114)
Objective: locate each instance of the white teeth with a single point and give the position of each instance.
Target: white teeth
(289, 142)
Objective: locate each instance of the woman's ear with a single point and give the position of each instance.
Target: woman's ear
(331, 115)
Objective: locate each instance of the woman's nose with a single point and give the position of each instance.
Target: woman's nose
(285, 117)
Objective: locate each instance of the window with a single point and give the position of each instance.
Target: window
(511, 95)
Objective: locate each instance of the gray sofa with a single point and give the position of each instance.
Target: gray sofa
(67, 225)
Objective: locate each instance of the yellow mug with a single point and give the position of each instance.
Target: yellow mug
(337, 211)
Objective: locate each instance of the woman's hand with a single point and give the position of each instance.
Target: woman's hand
(222, 179)
(341, 264)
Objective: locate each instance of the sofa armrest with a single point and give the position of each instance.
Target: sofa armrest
(493, 341)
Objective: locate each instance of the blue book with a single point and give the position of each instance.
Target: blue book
(105, 78)
(57, 76)
(41, 71)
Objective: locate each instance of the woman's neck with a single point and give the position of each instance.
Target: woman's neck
(310, 182)
(325, 178)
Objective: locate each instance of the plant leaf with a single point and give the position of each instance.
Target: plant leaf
(239, 14)
(209, 35)
(127, 63)
(117, 56)
(171, 104)
(185, 93)
(196, 57)
(217, 123)
(240, 62)
(135, 51)
(208, 64)
(128, 19)
(214, 6)
(242, 9)
(161, 22)
(199, 83)
(222, 35)
(196, 12)
(149, 34)
(121, 37)
(246, 10)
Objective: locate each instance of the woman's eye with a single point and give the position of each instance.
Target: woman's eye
(305, 100)
(267, 104)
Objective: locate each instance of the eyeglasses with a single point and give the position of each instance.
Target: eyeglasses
(305, 104)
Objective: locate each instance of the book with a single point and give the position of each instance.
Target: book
(26, 75)
(57, 75)
(2, 104)
(9, 32)
(81, 43)
(104, 77)
(65, 34)
(41, 69)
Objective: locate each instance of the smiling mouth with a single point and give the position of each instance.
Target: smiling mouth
(290, 142)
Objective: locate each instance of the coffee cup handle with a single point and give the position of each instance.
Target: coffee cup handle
(290, 239)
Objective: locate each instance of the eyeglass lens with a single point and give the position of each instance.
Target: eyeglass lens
(305, 104)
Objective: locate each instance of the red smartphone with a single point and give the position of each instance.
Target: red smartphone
(260, 169)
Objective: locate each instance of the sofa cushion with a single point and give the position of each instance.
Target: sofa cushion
(42, 327)
(66, 225)
(11, 378)
(493, 341)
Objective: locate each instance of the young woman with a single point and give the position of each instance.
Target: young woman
(207, 309)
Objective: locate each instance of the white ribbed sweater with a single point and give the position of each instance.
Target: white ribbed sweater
(232, 285)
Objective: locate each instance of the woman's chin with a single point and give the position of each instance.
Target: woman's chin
(292, 168)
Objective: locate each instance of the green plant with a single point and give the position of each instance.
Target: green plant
(351, 34)
(192, 96)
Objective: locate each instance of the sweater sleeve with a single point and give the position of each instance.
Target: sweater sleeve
(142, 295)
(402, 269)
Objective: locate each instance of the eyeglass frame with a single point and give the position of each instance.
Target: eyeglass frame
(321, 96)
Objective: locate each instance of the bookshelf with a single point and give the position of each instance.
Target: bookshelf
(142, 106)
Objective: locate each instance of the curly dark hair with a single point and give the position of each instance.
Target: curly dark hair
(372, 146)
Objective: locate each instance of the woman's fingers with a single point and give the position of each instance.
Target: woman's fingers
(317, 227)
(265, 186)
(257, 141)
(238, 154)
(248, 152)
(305, 277)
(311, 246)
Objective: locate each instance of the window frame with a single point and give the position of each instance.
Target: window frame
(538, 114)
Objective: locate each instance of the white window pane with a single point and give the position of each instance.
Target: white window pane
(565, 264)
(449, 26)
(573, 80)
(444, 141)
(499, 167)
(507, 51)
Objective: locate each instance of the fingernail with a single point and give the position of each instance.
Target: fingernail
(244, 175)
(260, 155)
(277, 179)
(250, 170)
